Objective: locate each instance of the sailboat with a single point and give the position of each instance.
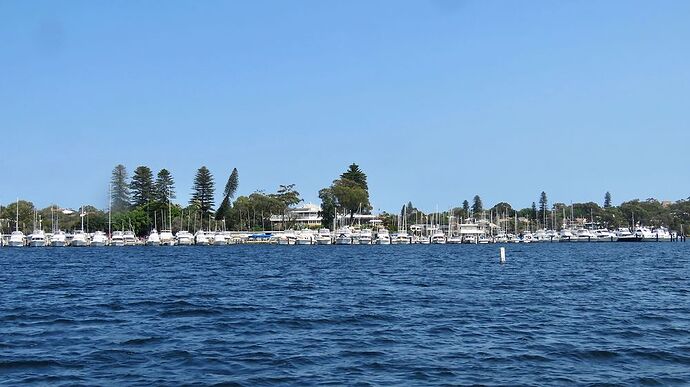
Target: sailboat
(153, 238)
(80, 238)
(166, 236)
(59, 238)
(37, 237)
(17, 237)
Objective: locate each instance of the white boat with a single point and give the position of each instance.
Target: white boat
(201, 238)
(99, 239)
(454, 240)
(305, 238)
(184, 238)
(166, 238)
(343, 239)
(153, 239)
(470, 239)
(527, 237)
(219, 239)
(501, 238)
(382, 237)
(324, 237)
(623, 234)
(401, 238)
(366, 237)
(604, 235)
(552, 236)
(287, 238)
(130, 238)
(567, 235)
(483, 239)
(16, 239)
(585, 235)
(79, 239)
(438, 238)
(58, 239)
(661, 234)
(644, 234)
(117, 239)
(37, 239)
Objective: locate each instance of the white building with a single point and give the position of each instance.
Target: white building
(308, 216)
(304, 216)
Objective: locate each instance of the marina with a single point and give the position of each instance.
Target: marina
(418, 235)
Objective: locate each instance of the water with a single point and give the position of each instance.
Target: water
(554, 314)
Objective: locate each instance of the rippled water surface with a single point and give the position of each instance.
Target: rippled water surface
(554, 314)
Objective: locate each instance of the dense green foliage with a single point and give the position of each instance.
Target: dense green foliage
(328, 206)
(349, 193)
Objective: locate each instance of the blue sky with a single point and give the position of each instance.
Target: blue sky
(436, 100)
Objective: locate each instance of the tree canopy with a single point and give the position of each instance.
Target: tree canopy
(355, 174)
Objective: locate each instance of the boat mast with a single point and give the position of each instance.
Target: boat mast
(16, 221)
(110, 208)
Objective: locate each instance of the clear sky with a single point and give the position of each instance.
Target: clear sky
(436, 100)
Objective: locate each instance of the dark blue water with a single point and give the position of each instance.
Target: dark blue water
(554, 314)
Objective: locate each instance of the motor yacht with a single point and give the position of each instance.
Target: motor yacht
(129, 238)
(184, 238)
(166, 238)
(117, 239)
(324, 237)
(37, 238)
(99, 239)
(201, 238)
(219, 239)
(153, 239)
(17, 239)
(79, 239)
(366, 237)
(382, 237)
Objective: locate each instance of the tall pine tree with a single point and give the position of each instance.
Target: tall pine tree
(142, 186)
(203, 190)
(477, 207)
(229, 192)
(354, 173)
(607, 200)
(165, 186)
(119, 189)
(543, 203)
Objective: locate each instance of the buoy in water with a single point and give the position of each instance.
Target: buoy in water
(502, 258)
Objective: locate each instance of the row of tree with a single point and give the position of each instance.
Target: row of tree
(137, 203)
(142, 202)
(650, 212)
